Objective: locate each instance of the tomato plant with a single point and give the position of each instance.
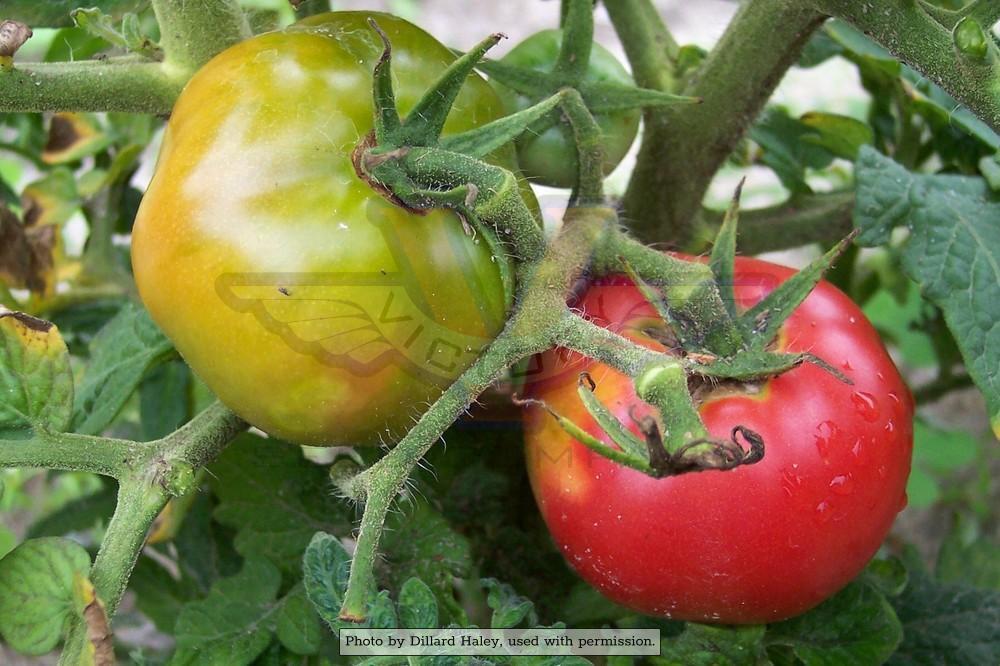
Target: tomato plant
(752, 545)
(312, 306)
(337, 240)
(549, 157)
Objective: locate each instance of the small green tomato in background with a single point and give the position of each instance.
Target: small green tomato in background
(549, 158)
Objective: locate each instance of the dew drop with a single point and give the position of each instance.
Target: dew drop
(825, 433)
(882, 472)
(894, 398)
(866, 405)
(823, 513)
(890, 426)
(790, 481)
(852, 320)
(842, 484)
(880, 375)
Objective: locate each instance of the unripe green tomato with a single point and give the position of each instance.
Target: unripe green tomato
(313, 307)
(550, 158)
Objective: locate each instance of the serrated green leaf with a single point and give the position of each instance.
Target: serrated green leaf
(843, 136)
(855, 626)
(989, 167)
(418, 609)
(37, 599)
(509, 608)
(35, 376)
(326, 567)
(79, 515)
(706, 645)
(946, 623)
(234, 623)
(121, 354)
(420, 543)
(297, 625)
(953, 252)
(780, 137)
(247, 479)
(56, 13)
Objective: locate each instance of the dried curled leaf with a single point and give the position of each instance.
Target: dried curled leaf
(13, 34)
(27, 254)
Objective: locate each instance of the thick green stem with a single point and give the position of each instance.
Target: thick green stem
(535, 327)
(823, 218)
(382, 482)
(139, 503)
(192, 32)
(71, 452)
(165, 470)
(649, 46)
(915, 37)
(601, 344)
(683, 146)
(130, 85)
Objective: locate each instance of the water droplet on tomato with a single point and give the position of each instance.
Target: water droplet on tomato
(825, 433)
(866, 405)
(890, 426)
(790, 481)
(882, 472)
(823, 512)
(894, 398)
(842, 484)
(880, 375)
(852, 320)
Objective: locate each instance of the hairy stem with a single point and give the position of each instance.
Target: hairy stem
(71, 452)
(822, 218)
(138, 505)
(683, 146)
(534, 328)
(192, 32)
(915, 37)
(383, 481)
(113, 85)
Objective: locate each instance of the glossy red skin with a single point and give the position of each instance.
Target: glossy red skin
(756, 544)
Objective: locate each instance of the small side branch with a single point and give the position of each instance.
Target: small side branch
(823, 218)
(919, 39)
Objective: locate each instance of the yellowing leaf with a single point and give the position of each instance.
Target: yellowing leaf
(73, 136)
(35, 377)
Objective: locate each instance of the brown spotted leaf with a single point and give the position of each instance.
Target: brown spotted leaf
(36, 383)
(73, 136)
(27, 254)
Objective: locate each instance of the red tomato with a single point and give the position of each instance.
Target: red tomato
(757, 544)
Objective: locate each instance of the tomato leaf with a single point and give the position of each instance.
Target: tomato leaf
(326, 567)
(121, 354)
(855, 626)
(509, 608)
(418, 609)
(707, 645)
(37, 601)
(35, 376)
(165, 400)
(420, 543)
(296, 625)
(945, 623)
(238, 619)
(275, 500)
(976, 563)
(56, 13)
(953, 251)
(780, 137)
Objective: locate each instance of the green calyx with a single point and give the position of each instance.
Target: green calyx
(408, 161)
